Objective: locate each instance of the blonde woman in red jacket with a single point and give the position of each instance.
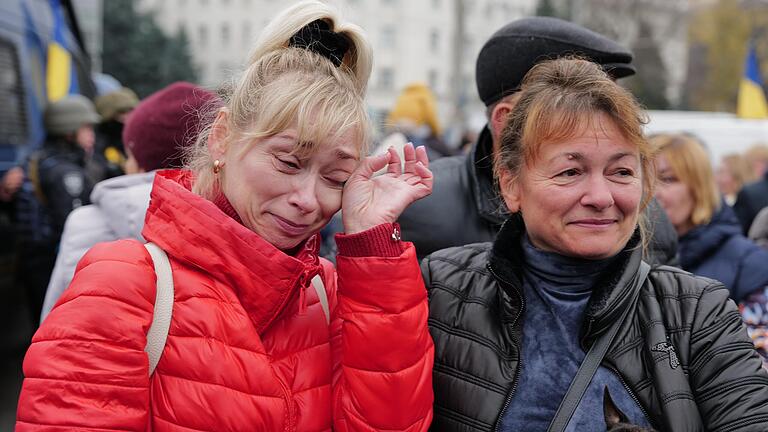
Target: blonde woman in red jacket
(249, 347)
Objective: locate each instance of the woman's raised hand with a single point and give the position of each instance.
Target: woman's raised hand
(368, 201)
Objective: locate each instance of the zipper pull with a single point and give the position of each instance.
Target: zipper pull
(302, 300)
(302, 294)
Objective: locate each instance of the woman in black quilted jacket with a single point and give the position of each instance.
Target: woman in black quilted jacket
(513, 321)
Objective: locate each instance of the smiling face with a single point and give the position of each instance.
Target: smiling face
(580, 196)
(285, 198)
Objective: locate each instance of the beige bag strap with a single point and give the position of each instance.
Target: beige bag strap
(319, 286)
(161, 320)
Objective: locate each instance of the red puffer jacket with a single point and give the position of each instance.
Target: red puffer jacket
(249, 348)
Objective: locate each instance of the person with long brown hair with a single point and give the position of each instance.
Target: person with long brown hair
(532, 330)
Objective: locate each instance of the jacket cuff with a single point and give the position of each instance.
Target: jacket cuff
(380, 241)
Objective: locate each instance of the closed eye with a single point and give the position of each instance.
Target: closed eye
(287, 163)
(668, 179)
(337, 182)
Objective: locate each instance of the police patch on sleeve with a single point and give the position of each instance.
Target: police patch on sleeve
(73, 183)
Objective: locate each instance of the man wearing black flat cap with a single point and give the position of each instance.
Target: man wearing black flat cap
(465, 206)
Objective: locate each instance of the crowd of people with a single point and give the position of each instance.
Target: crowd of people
(253, 260)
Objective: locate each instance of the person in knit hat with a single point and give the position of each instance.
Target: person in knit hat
(57, 179)
(161, 126)
(414, 117)
(156, 134)
(464, 206)
(114, 108)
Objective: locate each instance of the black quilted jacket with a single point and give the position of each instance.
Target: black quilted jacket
(683, 352)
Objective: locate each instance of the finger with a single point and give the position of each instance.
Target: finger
(426, 175)
(421, 155)
(370, 165)
(394, 166)
(409, 154)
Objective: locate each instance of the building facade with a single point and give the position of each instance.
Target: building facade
(638, 24)
(432, 41)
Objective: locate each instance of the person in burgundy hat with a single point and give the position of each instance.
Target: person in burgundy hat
(155, 136)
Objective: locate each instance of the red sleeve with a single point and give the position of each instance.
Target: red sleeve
(382, 240)
(382, 347)
(86, 367)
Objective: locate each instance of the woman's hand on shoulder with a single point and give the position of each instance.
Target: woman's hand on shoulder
(370, 200)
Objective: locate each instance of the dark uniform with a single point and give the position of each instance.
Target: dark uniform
(109, 133)
(56, 182)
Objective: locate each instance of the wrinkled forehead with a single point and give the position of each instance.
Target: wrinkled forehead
(556, 127)
(315, 135)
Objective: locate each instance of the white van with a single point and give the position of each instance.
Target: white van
(723, 133)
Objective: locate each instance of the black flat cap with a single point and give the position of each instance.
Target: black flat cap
(513, 50)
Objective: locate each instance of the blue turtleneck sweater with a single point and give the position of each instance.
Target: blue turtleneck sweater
(556, 291)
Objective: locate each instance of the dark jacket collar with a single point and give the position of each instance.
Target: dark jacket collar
(480, 167)
(61, 148)
(613, 290)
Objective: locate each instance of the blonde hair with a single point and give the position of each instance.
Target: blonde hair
(284, 86)
(757, 157)
(739, 169)
(690, 164)
(558, 100)
(757, 152)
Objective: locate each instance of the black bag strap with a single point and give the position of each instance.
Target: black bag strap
(590, 364)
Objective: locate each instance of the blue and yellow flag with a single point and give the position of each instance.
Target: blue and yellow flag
(751, 102)
(61, 77)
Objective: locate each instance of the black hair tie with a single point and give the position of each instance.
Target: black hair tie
(318, 37)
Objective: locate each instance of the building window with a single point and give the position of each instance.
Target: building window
(436, 4)
(467, 46)
(388, 2)
(13, 114)
(388, 37)
(225, 33)
(386, 78)
(202, 35)
(182, 29)
(432, 79)
(469, 7)
(246, 33)
(434, 40)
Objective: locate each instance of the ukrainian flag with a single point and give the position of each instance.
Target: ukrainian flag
(60, 77)
(752, 102)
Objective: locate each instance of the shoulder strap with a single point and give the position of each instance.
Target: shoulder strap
(317, 284)
(590, 364)
(161, 320)
(33, 172)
